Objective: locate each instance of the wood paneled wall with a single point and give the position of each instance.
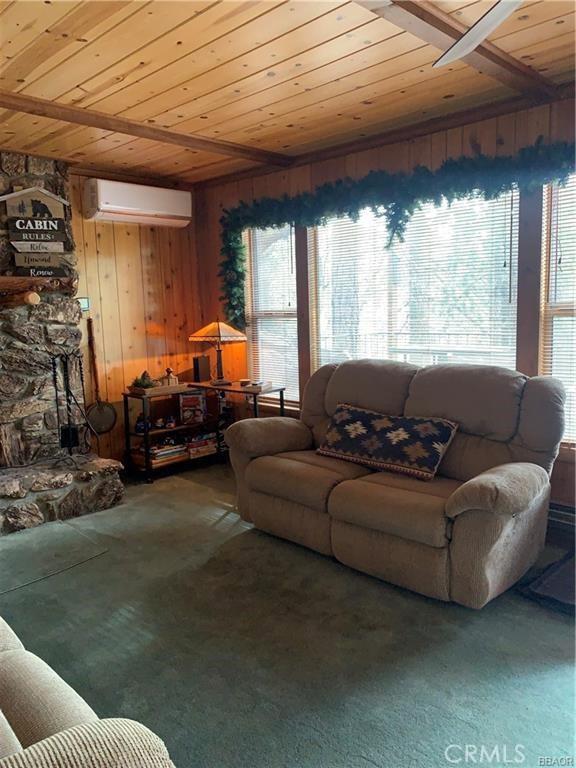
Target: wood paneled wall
(142, 282)
(151, 287)
(502, 135)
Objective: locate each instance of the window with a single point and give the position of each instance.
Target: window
(558, 315)
(447, 293)
(271, 309)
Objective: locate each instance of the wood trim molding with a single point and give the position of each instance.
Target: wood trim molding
(32, 105)
(530, 221)
(169, 182)
(435, 27)
(303, 304)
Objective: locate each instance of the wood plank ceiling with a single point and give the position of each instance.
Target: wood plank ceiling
(285, 77)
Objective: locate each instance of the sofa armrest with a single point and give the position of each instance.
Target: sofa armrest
(505, 490)
(265, 437)
(114, 743)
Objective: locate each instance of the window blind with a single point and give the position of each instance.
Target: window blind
(447, 293)
(271, 309)
(558, 314)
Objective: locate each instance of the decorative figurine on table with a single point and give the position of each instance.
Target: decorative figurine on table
(170, 380)
(170, 422)
(159, 423)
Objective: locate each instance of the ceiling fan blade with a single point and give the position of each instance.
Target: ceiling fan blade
(479, 31)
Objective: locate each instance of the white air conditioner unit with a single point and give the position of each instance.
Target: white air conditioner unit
(136, 204)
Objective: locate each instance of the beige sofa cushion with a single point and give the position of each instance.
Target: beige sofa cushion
(300, 476)
(346, 469)
(114, 743)
(292, 521)
(468, 455)
(9, 744)
(396, 505)
(406, 563)
(9, 640)
(378, 385)
(483, 399)
(35, 700)
(313, 410)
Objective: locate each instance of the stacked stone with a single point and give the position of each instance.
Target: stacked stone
(33, 486)
(30, 334)
(31, 496)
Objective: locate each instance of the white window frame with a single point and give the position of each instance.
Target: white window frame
(550, 310)
(252, 316)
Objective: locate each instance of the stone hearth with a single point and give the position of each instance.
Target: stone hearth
(39, 480)
(30, 496)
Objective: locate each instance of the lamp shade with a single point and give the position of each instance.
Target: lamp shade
(217, 333)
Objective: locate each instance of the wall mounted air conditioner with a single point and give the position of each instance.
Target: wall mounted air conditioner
(136, 204)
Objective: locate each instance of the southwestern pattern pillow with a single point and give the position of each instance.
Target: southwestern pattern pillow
(410, 445)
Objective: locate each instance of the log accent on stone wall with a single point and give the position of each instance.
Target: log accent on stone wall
(17, 285)
(17, 299)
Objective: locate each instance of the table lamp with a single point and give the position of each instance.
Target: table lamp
(218, 333)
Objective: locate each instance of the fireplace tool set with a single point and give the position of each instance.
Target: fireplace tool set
(65, 367)
(98, 418)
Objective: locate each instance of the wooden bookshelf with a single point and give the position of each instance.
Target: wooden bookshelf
(140, 455)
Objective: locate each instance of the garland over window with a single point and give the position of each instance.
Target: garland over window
(395, 196)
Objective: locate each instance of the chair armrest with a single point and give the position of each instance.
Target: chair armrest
(111, 743)
(264, 437)
(505, 490)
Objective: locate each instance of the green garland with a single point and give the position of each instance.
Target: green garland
(395, 196)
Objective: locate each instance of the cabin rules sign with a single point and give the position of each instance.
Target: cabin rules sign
(36, 221)
(30, 235)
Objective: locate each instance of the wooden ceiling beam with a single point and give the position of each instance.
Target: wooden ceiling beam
(435, 27)
(149, 179)
(32, 105)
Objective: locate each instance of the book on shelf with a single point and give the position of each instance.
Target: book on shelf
(169, 459)
(257, 389)
(193, 407)
(140, 460)
(207, 450)
(200, 443)
(165, 450)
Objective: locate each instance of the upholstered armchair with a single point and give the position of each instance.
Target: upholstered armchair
(44, 723)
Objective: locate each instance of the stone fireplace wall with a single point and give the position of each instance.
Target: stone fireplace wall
(39, 480)
(28, 418)
(30, 334)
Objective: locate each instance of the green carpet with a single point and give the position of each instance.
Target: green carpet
(244, 651)
(31, 557)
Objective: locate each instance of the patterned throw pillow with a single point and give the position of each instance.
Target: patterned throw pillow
(410, 445)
